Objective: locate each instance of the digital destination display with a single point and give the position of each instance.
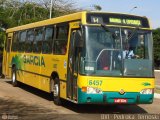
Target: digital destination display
(117, 19)
(125, 21)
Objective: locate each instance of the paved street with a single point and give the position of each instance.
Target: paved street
(26, 102)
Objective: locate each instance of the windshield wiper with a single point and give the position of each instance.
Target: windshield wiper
(105, 27)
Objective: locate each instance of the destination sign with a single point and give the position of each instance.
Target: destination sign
(117, 19)
(125, 21)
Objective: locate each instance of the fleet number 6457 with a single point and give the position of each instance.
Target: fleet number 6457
(95, 82)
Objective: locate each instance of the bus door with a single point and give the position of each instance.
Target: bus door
(72, 69)
(7, 54)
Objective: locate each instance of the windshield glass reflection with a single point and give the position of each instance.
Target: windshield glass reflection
(117, 52)
(102, 49)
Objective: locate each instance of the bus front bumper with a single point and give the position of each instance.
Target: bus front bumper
(114, 98)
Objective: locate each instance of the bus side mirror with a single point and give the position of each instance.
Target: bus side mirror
(79, 42)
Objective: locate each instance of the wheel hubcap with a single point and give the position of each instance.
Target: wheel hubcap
(13, 77)
(56, 90)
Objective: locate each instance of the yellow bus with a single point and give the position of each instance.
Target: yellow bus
(84, 57)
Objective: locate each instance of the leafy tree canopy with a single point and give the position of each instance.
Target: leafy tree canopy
(156, 45)
(18, 12)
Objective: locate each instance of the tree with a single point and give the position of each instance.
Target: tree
(156, 44)
(18, 12)
(2, 38)
(60, 7)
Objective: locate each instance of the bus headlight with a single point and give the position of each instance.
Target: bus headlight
(91, 90)
(147, 91)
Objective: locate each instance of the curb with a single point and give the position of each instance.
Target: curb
(156, 95)
(158, 87)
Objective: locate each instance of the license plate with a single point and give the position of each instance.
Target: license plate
(119, 100)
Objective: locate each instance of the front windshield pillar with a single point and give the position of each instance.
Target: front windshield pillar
(121, 53)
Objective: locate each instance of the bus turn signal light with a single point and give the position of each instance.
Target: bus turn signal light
(84, 89)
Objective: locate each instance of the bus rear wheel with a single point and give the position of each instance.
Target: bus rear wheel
(14, 77)
(56, 91)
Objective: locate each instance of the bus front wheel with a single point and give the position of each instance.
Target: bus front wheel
(56, 92)
(14, 78)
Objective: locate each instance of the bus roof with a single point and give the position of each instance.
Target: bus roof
(60, 19)
(66, 18)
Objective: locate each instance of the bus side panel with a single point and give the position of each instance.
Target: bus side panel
(63, 89)
(54, 63)
(62, 71)
(10, 64)
(10, 54)
(7, 55)
(32, 69)
(20, 76)
(44, 83)
(46, 71)
(4, 62)
(27, 68)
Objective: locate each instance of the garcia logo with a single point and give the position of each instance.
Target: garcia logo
(34, 60)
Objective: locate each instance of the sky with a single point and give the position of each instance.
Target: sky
(148, 8)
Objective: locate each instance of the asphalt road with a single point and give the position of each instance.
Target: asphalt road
(26, 102)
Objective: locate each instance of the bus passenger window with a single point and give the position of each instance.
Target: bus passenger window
(48, 41)
(22, 39)
(37, 44)
(15, 41)
(60, 43)
(29, 41)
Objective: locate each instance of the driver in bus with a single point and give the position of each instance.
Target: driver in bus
(127, 53)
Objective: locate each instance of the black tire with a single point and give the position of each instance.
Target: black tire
(56, 91)
(14, 77)
(2, 76)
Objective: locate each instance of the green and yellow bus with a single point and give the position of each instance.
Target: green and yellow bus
(85, 57)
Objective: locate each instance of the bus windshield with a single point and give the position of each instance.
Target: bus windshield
(117, 52)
